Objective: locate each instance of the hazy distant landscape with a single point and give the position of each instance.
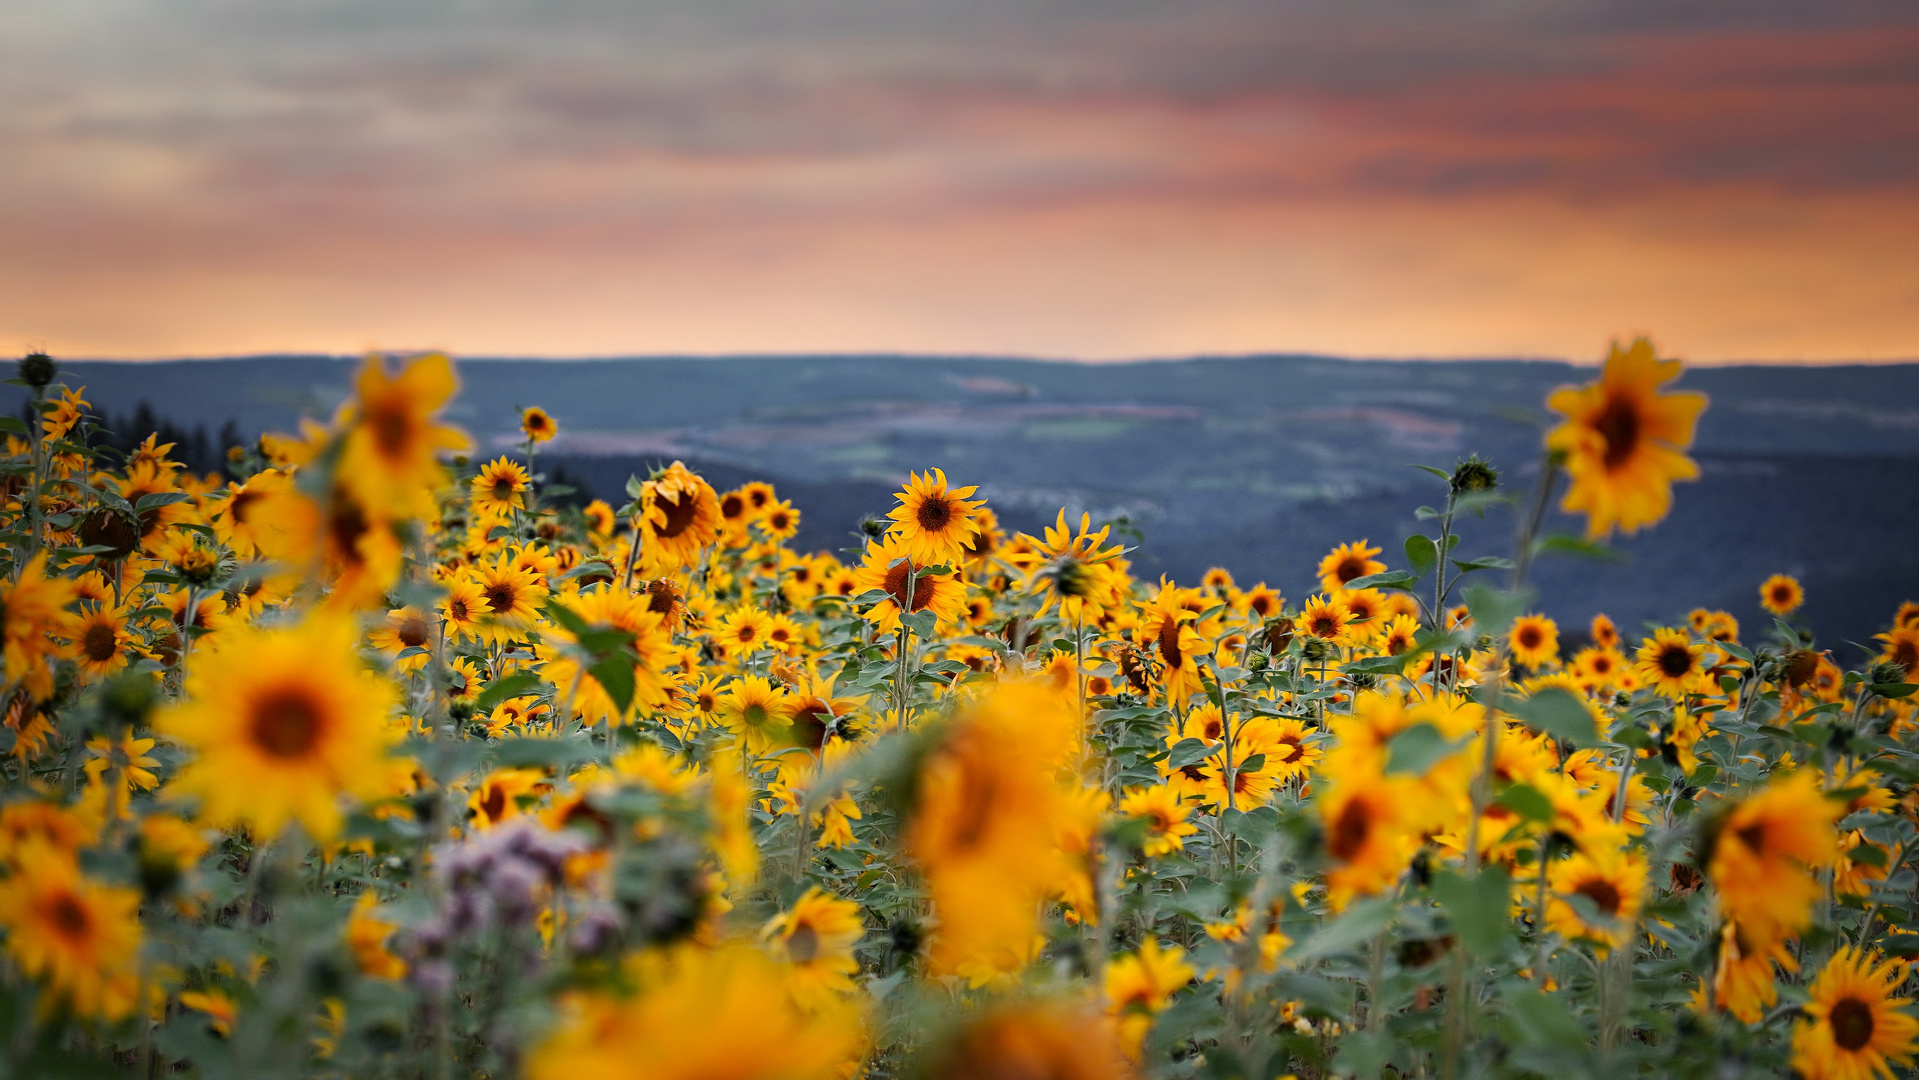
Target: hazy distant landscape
(1258, 463)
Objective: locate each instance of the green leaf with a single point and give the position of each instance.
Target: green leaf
(12, 425)
(521, 753)
(1190, 751)
(1421, 553)
(615, 676)
(1566, 544)
(1477, 907)
(1555, 711)
(1540, 1020)
(1894, 690)
(1484, 562)
(159, 499)
(1364, 1053)
(1418, 748)
(518, 684)
(1391, 579)
(1528, 802)
(921, 624)
(1375, 665)
(1251, 764)
(1362, 920)
(1495, 609)
(1441, 473)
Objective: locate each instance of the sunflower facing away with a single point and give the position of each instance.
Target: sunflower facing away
(933, 522)
(295, 713)
(1625, 441)
(1854, 1028)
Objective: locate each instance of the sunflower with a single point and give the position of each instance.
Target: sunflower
(100, 641)
(1605, 633)
(502, 795)
(537, 426)
(1625, 441)
(390, 453)
(463, 607)
(1764, 851)
(887, 568)
(986, 542)
(816, 939)
(1327, 620)
(1535, 641)
(1615, 884)
(513, 597)
(81, 936)
(1059, 1039)
(1368, 837)
(366, 936)
(499, 488)
(32, 616)
(758, 495)
(1671, 663)
(780, 521)
(1075, 572)
(1400, 634)
(1348, 562)
(1854, 1029)
(1902, 648)
(679, 517)
(756, 710)
(1366, 608)
(1744, 983)
(403, 629)
(1140, 985)
(600, 520)
(1781, 594)
(649, 645)
(742, 631)
(1161, 807)
(291, 710)
(1598, 668)
(933, 523)
(358, 546)
(1166, 631)
(735, 513)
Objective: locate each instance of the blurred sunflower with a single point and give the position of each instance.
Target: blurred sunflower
(755, 710)
(293, 711)
(1535, 641)
(1348, 562)
(1612, 881)
(1165, 815)
(1624, 441)
(1604, 633)
(33, 617)
(816, 940)
(100, 639)
(537, 426)
(390, 455)
(1781, 594)
(79, 935)
(1764, 851)
(402, 629)
(780, 521)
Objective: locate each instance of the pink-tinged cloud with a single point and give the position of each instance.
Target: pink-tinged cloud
(1042, 181)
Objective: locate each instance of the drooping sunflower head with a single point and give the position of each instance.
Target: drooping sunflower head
(537, 426)
(1781, 594)
(935, 522)
(1348, 562)
(680, 515)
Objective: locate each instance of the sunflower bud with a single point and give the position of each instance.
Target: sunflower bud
(37, 369)
(1474, 474)
(198, 567)
(1891, 671)
(872, 526)
(1317, 650)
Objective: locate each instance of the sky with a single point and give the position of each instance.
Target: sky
(1088, 179)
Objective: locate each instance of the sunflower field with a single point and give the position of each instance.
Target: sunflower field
(372, 759)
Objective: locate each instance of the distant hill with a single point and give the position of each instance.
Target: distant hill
(1256, 463)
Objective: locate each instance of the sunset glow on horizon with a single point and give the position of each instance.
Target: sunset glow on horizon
(585, 178)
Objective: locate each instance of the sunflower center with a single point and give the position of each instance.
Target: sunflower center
(1851, 1021)
(346, 522)
(1350, 830)
(1290, 750)
(503, 489)
(934, 514)
(803, 944)
(1602, 664)
(659, 598)
(501, 596)
(1754, 837)
(809, 725)
(69, 916)
(777, 520)
(286, 724)
(1675, 661)
(1168, 642)
(680, 510)
(100, 644)
(242, 503)
(1325, 626)
(896, 587)
(495, 803)
(1262, 605)
(754, 715)
(456, 609)
(731, 507)
(1619, 426)
(1529, 637)
(1781, 594)
(391, 429)
(412, 631)
(1602, 893)
(1349, 568)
